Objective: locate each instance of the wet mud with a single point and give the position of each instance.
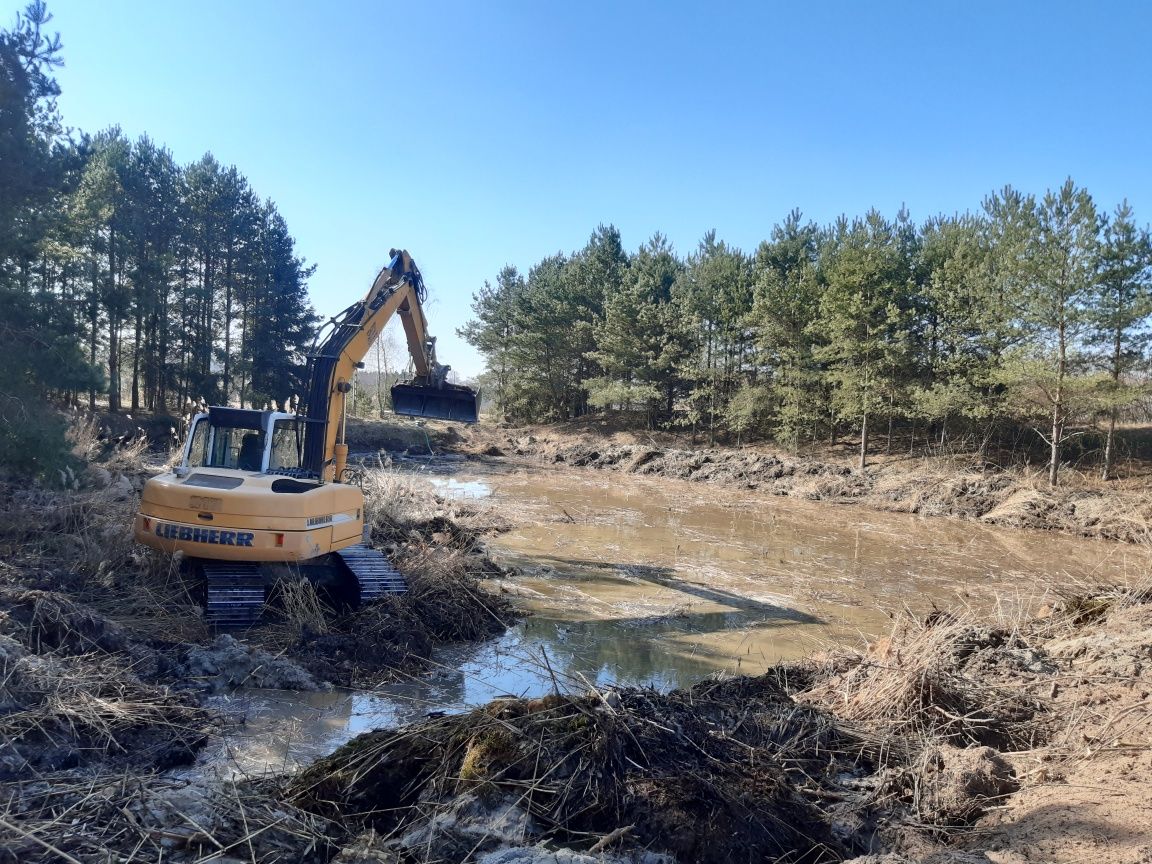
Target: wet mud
(964, 488)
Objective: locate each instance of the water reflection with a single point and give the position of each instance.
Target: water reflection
(660, 583)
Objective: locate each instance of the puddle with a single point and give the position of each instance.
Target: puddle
(455, 488)
(661, 583)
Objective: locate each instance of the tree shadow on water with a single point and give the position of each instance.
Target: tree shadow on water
(744, 610)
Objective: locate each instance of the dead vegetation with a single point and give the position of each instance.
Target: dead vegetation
(931, 681)
(104, 658)
(917, 747)
(437, 545)
(79, 818)
(678, 773)
(949, 737)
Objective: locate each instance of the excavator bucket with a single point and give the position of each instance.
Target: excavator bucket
(450, 402)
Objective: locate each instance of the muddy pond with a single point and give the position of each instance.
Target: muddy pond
(660, 583)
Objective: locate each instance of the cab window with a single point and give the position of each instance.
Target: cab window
(287, 442)
(226, 447)
(198, 451)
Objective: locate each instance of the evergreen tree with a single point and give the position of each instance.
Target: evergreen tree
(787, 300)
(1120, 314)
(643, 343)
(864, 320)
(1062, 263)
(492, 331)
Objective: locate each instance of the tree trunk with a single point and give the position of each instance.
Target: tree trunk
(1058, 411)
(228, 325)
(113, 328)
(1110, 441)
(93, 323)
(136, 350)
(113, 365)
(379, 380)
(864, 442)
(1109, 446)
(1057, 434)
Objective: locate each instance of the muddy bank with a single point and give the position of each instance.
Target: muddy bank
(953, 739)
(930, 488)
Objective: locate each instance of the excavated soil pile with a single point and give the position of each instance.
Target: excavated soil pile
(710, 774)
(951, 741)
(438, 546)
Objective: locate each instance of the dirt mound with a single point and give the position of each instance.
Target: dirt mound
(397, 634)
(586, 766)
(61, 712)
(956, 786)
(227, 663)
(151, 817)
(49, 621)
(438, 545)
(399, 436)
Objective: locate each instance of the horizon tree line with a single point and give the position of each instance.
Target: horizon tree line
(1027, 319)
(126, 274)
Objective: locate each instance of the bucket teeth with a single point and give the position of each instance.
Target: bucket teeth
(374, 573)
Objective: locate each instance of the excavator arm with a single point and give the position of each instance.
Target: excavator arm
(398, 289)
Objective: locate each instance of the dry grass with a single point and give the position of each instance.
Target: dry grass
(403, 506)
(107, 817)
(929, 682)
(92, 708)
(300, 608)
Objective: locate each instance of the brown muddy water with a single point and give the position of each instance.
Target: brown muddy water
(660, 583)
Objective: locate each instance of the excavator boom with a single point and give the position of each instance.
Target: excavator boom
(397, 290)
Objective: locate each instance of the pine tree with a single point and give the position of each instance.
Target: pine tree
(864, 320)
(642, 343)
(787, 299)
(1063, 264)
(1121, 309)
(492, 331)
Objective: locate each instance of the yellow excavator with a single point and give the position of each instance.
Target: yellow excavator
(263, 494)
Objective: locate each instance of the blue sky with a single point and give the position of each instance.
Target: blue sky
(478, 134)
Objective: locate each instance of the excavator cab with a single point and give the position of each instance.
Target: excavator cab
(246, 440)
(446, 402)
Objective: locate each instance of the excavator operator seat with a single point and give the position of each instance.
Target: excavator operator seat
(251, 453)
